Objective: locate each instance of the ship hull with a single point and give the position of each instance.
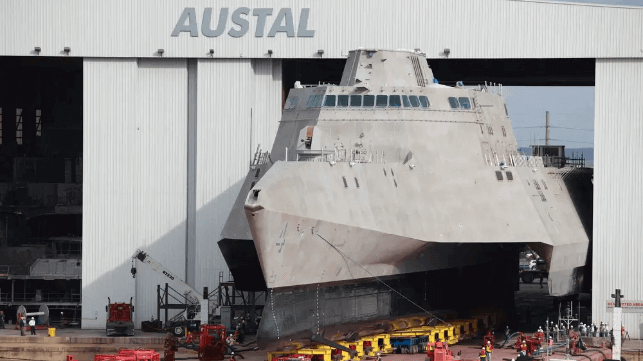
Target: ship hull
(392, 188)
(298, 312)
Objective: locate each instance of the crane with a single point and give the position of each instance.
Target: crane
(192, 297)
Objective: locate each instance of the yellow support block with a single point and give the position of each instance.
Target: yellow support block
(316, 351)
(374, 345)
(358, 347)
(386, 343)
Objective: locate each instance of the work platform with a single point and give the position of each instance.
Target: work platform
(83, 344)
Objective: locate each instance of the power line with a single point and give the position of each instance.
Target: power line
(559, 140)
(553, 126)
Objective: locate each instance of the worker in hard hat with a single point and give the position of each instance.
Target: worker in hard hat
(550, 343)
(483, 354)
(379, 358)
(488, 350)
(32, 326)
(232, 357)
(523, 348)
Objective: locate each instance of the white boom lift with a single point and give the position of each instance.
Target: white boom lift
(191, 295)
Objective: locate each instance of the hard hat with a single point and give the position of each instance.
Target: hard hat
(233, 352)
(550, 337)
(32, 318)
(488, 341)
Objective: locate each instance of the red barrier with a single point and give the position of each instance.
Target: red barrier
(142, 355)
(131, 355)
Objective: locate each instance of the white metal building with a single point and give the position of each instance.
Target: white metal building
(168, 134)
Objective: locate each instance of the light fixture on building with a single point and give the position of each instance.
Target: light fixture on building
(67, 50)
(269, 52)
(320, 52)
(160, 51)
(447, 51)
(211, 52)
(37, 50)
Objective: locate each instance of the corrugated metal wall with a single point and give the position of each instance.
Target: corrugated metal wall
(470, 28)
(136, 163)
(135, 134)
(618, 191)
(109, 108)
(232, 95)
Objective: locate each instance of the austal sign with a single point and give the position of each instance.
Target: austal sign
(627, 306)
(283, 23)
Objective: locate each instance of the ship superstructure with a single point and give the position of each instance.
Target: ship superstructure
(386, 175)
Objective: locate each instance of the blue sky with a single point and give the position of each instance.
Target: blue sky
(571, 114)
(569, 107)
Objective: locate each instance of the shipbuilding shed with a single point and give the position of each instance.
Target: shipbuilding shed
(177, 95)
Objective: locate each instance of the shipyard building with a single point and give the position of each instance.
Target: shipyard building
(132, 125)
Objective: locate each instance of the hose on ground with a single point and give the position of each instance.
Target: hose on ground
(555, 346)
(508, 338)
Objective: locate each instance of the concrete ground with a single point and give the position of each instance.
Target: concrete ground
(533, 303)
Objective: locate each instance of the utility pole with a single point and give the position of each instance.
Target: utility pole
(547, 128)
(616, 326)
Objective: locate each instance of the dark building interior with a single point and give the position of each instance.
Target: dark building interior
(41, 146)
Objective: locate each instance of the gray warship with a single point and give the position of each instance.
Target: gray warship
(390, 192)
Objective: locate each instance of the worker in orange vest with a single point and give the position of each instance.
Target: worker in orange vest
(489, 350)
(523, 348)
(483, 354)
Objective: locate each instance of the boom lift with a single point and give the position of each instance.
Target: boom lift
(193, 299)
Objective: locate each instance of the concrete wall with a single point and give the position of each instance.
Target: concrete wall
(618, 194)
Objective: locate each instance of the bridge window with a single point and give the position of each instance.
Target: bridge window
(394, 101)
(291, 103)
(329, 101)
(356, 100)
(342, 100)
(369, 100)
(405, 101)
(424, 102)
(453, 102)
(414, 101)
(382, 100)
(465, 103)
(314, 101)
